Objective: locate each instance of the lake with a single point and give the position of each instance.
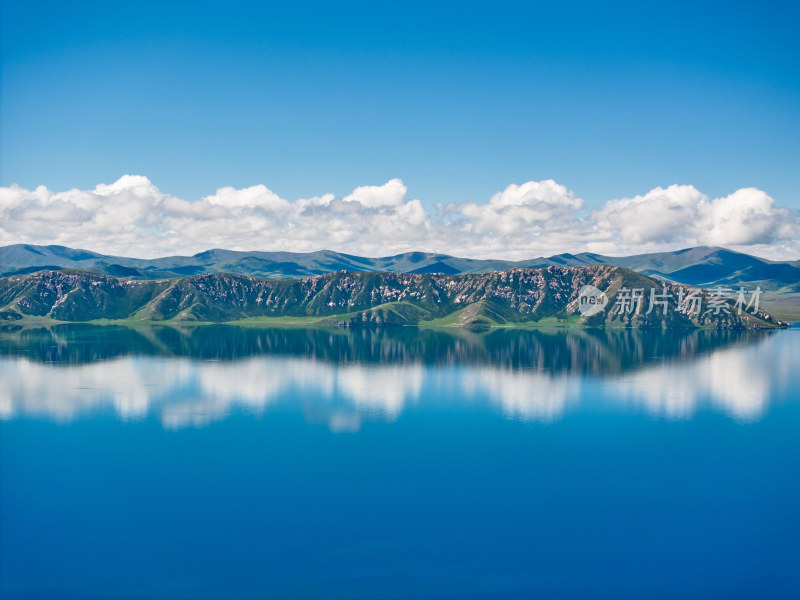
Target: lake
(226, 462)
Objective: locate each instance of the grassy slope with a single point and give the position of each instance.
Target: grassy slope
(782, 305)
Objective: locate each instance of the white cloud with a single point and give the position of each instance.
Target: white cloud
(681, 215)
(533, 217)
(392, 193)
(661, 215)
(132, 217)
(746, 217)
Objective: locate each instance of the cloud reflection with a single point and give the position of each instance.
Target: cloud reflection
(182, 392)
(185, 392)
(739, 381)
(524, 395)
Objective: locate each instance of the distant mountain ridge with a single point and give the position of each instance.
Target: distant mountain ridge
(701, 266)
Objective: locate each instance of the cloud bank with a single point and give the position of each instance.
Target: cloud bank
(132, 217)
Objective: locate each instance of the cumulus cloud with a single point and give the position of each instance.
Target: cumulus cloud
(537, 216)
(661, 215)
(682, 215)
(392, 193)
(746, 217)
(133, 217)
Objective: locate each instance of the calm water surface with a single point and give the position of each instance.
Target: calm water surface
(220, 462)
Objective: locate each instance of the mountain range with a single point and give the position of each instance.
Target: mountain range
(701, 266)
(542, 296)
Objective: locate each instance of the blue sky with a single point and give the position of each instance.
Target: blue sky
(458, 100)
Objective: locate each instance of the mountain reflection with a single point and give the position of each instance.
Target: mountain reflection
(194, 376)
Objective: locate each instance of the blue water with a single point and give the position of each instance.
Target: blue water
(227, 463)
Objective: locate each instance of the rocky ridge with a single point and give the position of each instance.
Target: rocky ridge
(515, 296)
